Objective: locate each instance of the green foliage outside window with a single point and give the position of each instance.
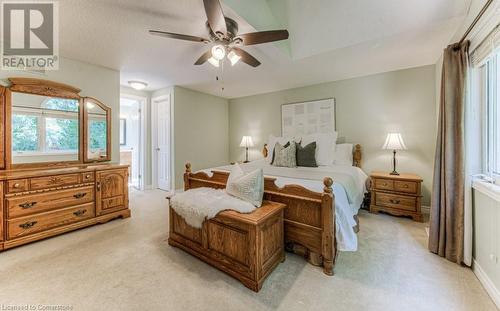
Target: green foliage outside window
(61, 134)
(61, 104)
(97, 137)
(24, 133)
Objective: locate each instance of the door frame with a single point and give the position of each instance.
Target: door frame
(154, 140)
(142, 100)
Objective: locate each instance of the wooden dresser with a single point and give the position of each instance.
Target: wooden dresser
(396, 194)
(39, 203)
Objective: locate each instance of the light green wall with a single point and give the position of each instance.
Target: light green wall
(94, 81)
(367, 108)
(201, 128)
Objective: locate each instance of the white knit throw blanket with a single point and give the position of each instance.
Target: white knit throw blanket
(196, 205)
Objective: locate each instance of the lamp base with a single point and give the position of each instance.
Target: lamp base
(246, 161)
(394, 173)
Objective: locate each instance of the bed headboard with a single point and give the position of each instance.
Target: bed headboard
(356, 154)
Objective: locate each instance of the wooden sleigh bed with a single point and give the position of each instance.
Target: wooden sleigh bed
(309, 217)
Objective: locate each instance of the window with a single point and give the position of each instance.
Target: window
(50, 128)
(490, 85)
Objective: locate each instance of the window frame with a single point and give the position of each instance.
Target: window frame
(490, 97)
(42, 115)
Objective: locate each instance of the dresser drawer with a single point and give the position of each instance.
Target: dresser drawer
(405, 186)
(53, 181)
(87, 177)
(40, 222)
(396, 201)
(383, 184)
(42, 202)
(17, 185)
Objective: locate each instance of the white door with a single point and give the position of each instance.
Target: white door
(163, 142)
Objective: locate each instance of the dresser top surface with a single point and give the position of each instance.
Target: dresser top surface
(402, 176)
(45, 171)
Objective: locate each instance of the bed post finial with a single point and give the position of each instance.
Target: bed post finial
(188, 167)
(357, 156)
(265, 151)
(328, 182)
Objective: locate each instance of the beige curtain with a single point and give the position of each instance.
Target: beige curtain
(446, 236)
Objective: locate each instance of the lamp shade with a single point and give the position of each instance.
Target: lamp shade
(246, 142)
(394, 141)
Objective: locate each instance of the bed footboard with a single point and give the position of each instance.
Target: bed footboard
(309, 217)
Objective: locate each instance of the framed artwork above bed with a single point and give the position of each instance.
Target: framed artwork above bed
(304, 118)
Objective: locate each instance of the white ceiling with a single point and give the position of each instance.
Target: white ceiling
(329, 40)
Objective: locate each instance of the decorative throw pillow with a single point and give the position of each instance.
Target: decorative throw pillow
(272, 142)
(248, 187)
(285, 156)
(285, 146)
(306, 156)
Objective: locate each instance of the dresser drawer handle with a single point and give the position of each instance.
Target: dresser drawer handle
(27, 205)
(28, 224)
(87, 176)
(79, 195)
(405, 186)
(16, 185)
(394, 201)
(80, 212)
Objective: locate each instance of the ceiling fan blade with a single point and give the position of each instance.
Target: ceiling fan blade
(215, 16)
(203, 58)
(263, 36)
(246, 58)
(178, 36)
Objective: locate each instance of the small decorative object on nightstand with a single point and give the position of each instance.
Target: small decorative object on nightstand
(394, 142)
(396, 194)
(246, 142)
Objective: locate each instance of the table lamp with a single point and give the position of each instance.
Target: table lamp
(394, 142)
(246, 142)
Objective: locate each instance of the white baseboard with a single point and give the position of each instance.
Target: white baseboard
(487, 283)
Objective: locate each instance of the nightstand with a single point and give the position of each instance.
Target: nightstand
(398, 195)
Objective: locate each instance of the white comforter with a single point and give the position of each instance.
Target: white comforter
(348, 188)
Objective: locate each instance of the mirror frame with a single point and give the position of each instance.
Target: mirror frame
(86, 129)
(50, 89)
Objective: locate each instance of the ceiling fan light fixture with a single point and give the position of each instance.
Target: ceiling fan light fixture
(233, 58)
(137, 85)
(218, 52)
(214, 62)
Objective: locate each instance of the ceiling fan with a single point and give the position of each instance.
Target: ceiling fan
(223, 32)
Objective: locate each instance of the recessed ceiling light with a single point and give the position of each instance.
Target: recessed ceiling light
(137, 85)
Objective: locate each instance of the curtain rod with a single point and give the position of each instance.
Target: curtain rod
(474, 22)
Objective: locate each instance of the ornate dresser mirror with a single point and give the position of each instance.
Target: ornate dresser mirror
(49, 123)
(97, 131)
(44, 129)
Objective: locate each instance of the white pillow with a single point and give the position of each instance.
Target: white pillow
(248, 187)
(325, 146)
(343, 154)
(271, 142)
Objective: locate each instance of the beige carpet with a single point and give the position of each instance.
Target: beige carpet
(127, 265)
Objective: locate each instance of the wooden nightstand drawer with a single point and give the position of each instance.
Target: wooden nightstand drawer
(405, 186)
(396, 201)
(383, 184)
